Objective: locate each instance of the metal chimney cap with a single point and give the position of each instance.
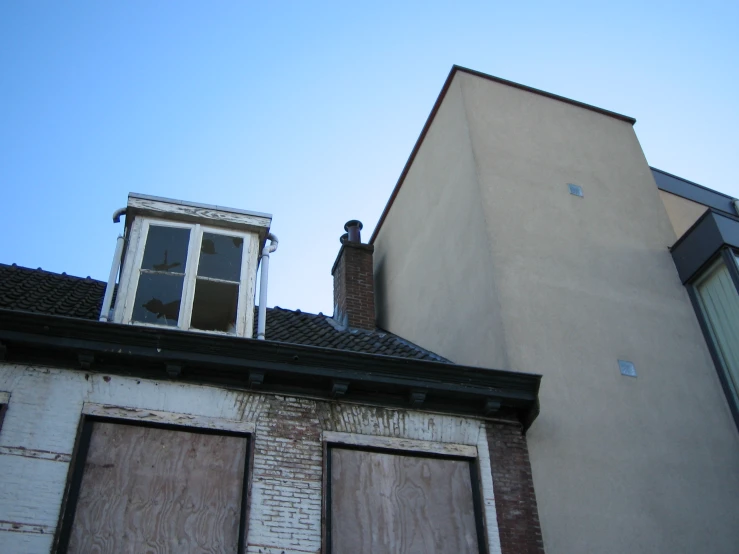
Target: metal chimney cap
(353, 223)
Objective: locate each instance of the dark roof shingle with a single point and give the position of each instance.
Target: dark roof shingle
(36, 290)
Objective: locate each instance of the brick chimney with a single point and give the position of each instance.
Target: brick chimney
(354, 283)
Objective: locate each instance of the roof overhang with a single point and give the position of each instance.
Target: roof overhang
(701, 243)
(268, 366)
(194, 212)
(689, 190)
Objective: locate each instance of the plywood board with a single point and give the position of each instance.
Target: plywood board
(396, 504)
(148, 489)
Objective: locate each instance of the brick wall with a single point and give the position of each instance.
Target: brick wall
(515, 499)
(287, 479)
(285, 508)
(354, 286)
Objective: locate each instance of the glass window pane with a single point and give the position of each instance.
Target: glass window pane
(720, 302)
(166, 249)
(158, 298)
(214, 306)
(220, 257)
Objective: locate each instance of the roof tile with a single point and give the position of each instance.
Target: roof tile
(40, 291)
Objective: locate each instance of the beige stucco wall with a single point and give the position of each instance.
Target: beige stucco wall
(570, 286)
(440, 233)
(681, 211)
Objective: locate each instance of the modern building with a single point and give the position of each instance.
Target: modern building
(140, 415)
(526, 232)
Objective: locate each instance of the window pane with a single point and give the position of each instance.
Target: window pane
(387, 503)
(721, 307)
(166, 249)
(158, 298)
(214, 307)
(220, 257)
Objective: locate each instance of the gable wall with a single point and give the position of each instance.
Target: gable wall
(619, 464)
(432, 257)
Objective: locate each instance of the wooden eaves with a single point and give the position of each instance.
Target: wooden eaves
(274, 367)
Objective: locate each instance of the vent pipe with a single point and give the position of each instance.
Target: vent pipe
(353, 229)
(262, 316)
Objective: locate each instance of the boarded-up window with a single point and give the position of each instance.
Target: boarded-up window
(390, 503)
(142, 489)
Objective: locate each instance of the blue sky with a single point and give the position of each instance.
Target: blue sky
(309, 111)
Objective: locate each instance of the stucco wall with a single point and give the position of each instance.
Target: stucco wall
(681, 211)
(620, 464)
(39, 431)
(432, 258)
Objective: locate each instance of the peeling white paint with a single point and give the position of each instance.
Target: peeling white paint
(46, 405)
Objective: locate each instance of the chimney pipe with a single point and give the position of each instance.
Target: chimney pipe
(354, 227)
(354, 295)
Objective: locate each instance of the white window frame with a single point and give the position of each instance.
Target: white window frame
(139, 236)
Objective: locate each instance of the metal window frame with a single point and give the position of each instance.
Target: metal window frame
(727, 256)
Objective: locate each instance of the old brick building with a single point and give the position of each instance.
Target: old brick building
(159, 424)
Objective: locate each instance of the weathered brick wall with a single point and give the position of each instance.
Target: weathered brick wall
(285, 510)
(515, 499)
(287, 479)
(354, 286)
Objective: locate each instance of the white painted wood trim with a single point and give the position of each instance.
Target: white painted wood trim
(191, 271)
(24, 452)
(488, 495)
(124, 282)
(428, 447)
(21, 527)
(216, 216)
(135, 254)
(169, 418)
(249, 271)
(4, 397)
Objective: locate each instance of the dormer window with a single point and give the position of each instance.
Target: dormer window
(187, 274)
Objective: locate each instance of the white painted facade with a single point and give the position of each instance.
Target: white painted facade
(45, 406)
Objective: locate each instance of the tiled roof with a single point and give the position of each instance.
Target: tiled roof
(36, 290)
(320, 330)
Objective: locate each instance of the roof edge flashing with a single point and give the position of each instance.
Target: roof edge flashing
(540, 92)
(185, 203)
(437, 104)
